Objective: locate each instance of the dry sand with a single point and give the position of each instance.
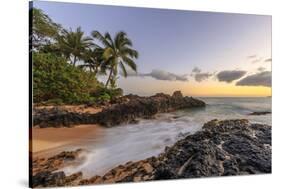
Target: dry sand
(46, 139)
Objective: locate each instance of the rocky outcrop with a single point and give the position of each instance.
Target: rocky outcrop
(145, 107)
(56, 162)
(260, 113)
(230, 147)
(222, 148)
(54, 179)
(45, 170)
(126, 110)
(58, 117)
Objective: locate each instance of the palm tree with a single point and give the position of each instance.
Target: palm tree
(93, 60)
(73, 44)
(117, 52)
(43, 30)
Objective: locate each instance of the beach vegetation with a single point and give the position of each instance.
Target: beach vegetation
(67, 64)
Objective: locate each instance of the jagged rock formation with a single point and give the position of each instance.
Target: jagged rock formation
(229, 147)
(260, 113)
(126, 110)
(222, 148)
(45, 170)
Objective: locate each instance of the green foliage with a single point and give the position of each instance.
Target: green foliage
(55, 101)
(117, 52)
(54, 78)
(57, 79)
(105, 94)
(73, 44)
(43, 28)
(104, 97)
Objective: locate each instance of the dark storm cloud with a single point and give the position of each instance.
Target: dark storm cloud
(258, 79)
(229, 76)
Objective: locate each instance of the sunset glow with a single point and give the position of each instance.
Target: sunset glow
(172, 44)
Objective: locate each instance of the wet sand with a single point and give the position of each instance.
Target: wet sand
(44, 140)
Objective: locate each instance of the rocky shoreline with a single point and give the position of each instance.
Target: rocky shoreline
(222, 148)
(127, 109)
(260, 113)
(45, 170)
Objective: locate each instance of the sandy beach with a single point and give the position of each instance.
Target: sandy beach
(46, 139)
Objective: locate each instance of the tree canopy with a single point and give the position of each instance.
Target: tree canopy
(43, 28)
(66, 63)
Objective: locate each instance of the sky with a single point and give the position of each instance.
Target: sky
(199, 53)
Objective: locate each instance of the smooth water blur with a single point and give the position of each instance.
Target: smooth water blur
(132, 142)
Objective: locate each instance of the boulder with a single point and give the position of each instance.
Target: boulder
(177, 95)
(45, 170)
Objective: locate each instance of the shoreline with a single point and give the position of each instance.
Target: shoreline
(60, 132)
(197, 155)
(45, 140)
(126, 109)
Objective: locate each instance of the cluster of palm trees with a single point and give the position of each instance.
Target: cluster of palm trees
(98, 53)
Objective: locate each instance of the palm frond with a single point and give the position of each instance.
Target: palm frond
(130, 63)
(126, 42)
(124, 71)
(118, 38)
(128, 51)
(108, 38)
(101, 38)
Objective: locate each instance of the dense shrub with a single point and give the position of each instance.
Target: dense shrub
(102, 94)
(55, 80)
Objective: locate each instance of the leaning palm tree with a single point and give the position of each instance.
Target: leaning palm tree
(116, 53)
(73, 44)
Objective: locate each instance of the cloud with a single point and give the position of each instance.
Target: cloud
(252, 56)
(196, 70)
(198, 75)
(268, 60)
(163, 75)
(229, 76)
(261, 69)
(256, 60)
(202, 76)
(258, 79)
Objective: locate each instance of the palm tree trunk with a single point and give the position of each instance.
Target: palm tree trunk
(95, 68)
(95, 71)
(109, 77)
(74, 60)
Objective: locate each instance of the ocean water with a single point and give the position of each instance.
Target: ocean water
(132, 142)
